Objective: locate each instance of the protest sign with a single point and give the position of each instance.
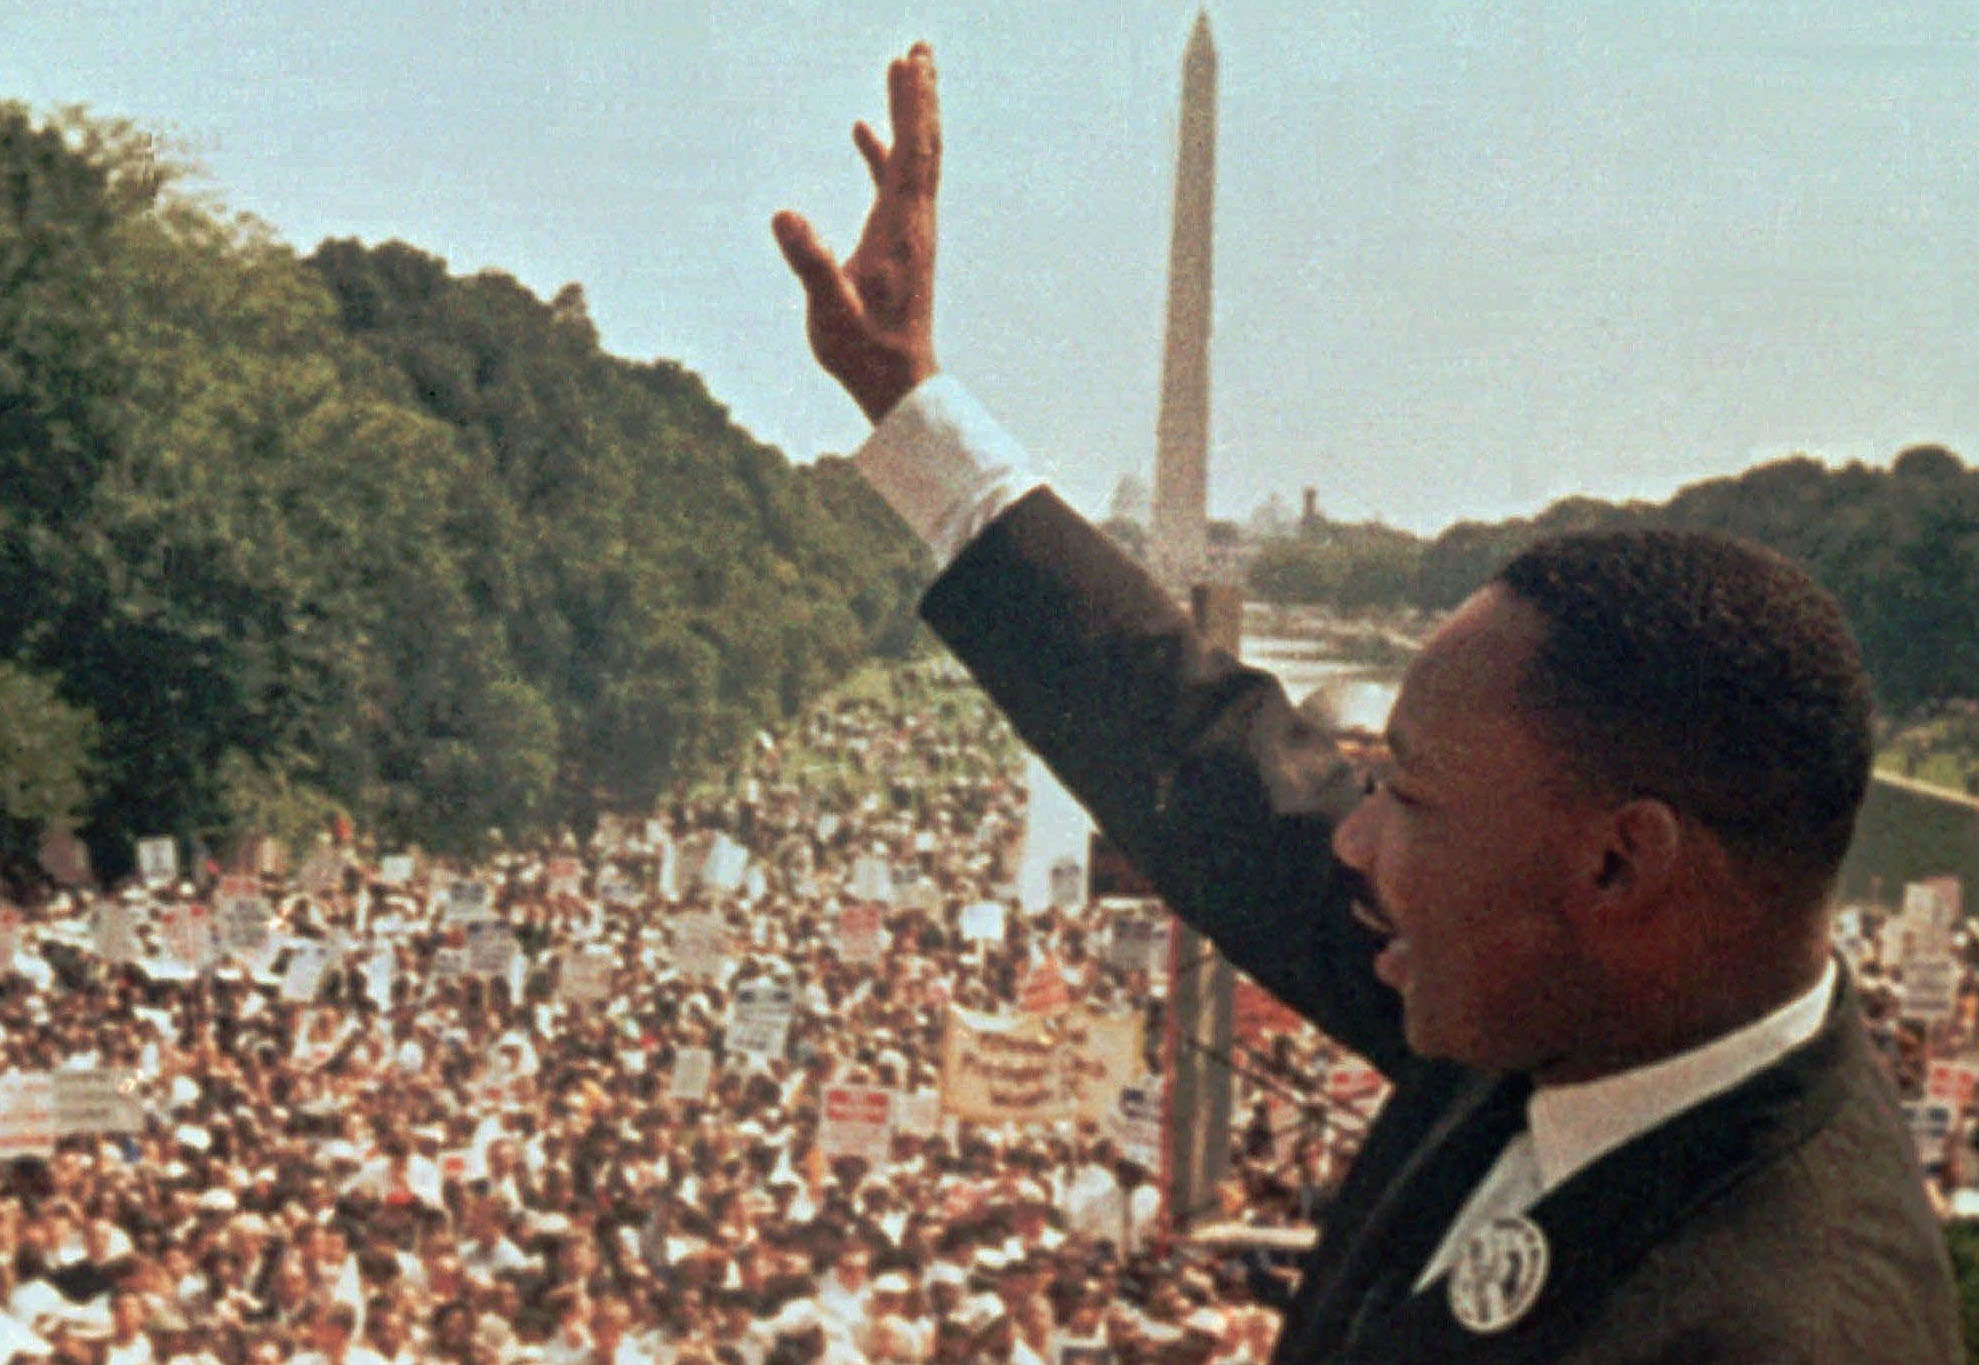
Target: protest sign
(1934, 901)
(1066, 881)
(982, 922)
(27, 1114)
(726, 865)
(1355, 1085)
(241, 915)
(587, 973)
(1930, 987)
(379, 969)
(189, 935)
(308, 962)
(1025, 1069)
(917, 1113)
(1952, 1082)
(861, 936)
(700, 943)
(395, 869)
(466, 900)
(759, 1024)
(158, 859)
(100, 1100)
(320, 873)
(449, 962)
(1134, 1123)
(1132, 938)
(856, 1120)
(693, 1068)
(872, 880)
(491, 948)
(1931, 1123)
(116, 938)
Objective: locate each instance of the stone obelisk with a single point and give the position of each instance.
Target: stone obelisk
(1181, 467)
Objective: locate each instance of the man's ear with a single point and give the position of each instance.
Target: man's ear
(1643, 840)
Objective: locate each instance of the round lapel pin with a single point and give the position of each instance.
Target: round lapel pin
(1498, 1274)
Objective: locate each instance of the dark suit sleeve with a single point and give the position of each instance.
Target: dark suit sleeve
(1200, 769)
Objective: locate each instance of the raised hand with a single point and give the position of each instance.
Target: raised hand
(871, 320)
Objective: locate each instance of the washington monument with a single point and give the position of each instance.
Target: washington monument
(1181, 466)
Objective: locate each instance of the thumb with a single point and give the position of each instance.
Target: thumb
(829, 293)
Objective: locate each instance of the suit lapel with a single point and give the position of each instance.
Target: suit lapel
(1599, 1224)
(1408, 1216)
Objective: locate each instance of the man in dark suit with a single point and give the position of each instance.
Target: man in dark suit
(1580, 923)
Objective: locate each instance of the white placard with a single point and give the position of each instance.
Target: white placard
(1930, 987)
(856, 1120)
(396, 869)
(116, 942)
(27, 1114)
(320, 874)
(308, 962)
(699, 943)
(693, 1068)
(158, 859)
(726, 866)
(379, 969)
(241, 916)
(587, 974)
(189, 935)
(861, 936)
(449, 962)
(491, 948)
(101, 1100)
(1132, 943)
(917, 1113)
(1931, 1123)
(759, 1020)
(983, 921)
(1134, 1123)
(467, 901)
(872, 879)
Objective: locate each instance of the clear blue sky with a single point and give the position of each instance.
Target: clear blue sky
(1472, 255)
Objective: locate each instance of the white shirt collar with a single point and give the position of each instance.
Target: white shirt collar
(1574, 1125)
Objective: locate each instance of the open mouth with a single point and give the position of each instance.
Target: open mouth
(1371, 915)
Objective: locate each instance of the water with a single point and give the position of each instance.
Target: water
(1357, 695)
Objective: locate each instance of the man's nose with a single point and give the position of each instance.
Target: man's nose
(1353, 837)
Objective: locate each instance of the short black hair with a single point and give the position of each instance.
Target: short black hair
(1710, 673)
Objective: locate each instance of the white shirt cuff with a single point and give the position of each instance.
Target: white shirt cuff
(945, 465)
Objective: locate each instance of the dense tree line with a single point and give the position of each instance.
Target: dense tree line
(282, 537)
(1898, 546)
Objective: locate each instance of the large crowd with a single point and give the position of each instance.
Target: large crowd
(496, 1113)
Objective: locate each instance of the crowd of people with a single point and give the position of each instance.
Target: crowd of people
(417, 1152)
(411, 1154)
